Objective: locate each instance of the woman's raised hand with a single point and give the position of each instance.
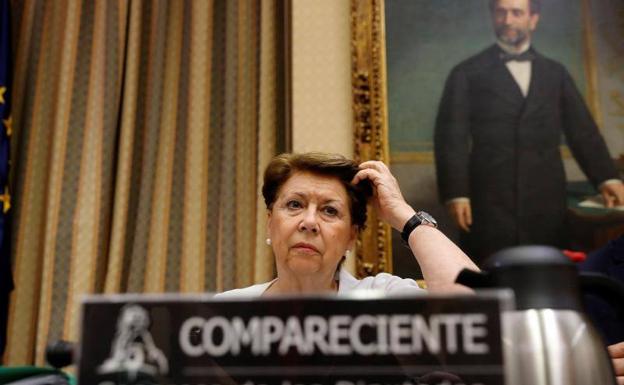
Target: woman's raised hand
(387, 198)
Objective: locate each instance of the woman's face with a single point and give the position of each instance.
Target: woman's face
(310, 225)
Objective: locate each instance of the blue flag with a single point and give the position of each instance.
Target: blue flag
(6, 127)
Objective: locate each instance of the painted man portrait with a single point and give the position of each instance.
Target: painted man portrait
(497, 140)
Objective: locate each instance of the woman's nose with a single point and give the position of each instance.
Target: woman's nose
(309, 222)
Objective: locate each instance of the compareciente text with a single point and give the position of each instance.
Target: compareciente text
(364, 334)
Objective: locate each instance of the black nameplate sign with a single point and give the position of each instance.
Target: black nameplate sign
(290, 341)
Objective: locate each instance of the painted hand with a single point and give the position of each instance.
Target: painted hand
(461, 212)
(613, 194)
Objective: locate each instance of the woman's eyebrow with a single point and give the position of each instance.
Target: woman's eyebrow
(306, 195)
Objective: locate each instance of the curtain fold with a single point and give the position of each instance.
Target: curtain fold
(141, 130)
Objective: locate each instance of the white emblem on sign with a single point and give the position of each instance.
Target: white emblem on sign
(133, 348)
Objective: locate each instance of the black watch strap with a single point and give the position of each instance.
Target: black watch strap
(420, 218)
(410, 225)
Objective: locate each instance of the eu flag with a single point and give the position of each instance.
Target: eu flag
(6, 278)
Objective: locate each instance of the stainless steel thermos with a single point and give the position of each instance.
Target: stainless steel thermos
(548, 339)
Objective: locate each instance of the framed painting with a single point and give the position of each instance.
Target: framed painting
(403, 52)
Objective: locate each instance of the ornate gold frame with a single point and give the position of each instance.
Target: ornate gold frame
(370, 119)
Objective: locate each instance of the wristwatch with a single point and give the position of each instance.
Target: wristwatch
(420, 218)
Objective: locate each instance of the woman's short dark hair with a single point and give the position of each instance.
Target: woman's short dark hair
(283, 166)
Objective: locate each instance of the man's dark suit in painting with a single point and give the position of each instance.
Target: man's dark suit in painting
(501, 150)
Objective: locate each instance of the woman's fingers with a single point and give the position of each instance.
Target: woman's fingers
(375, 171)
(388, 200)
(385, 186)
(380, 166)
(372, 174)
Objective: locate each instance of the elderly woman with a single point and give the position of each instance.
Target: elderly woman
(317, 205)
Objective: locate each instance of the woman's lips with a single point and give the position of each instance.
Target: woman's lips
(305, 247)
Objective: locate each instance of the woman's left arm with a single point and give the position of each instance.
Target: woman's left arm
(439, 258)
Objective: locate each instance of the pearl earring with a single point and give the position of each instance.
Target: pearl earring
(268, 241)
(347, 252)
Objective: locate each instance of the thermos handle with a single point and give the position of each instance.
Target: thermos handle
(604, 287)
(473, 279)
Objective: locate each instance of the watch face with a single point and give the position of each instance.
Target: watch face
(426, 217)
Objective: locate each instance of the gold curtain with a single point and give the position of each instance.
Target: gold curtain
(141, 129)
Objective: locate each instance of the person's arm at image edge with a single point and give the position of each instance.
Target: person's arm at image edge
(616, 351)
